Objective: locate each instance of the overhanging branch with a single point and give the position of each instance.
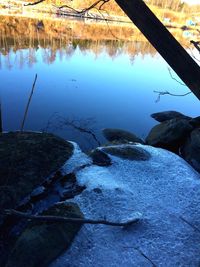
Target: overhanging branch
(34, 3)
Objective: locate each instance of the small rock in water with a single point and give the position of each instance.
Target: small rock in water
(168, 115)
(121, 136)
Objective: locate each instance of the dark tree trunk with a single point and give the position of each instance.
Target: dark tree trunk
(164, 42)
(1, 126)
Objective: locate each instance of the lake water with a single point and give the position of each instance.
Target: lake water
(92, 75)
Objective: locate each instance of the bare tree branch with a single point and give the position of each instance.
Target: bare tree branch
(190, 224)
(48, 218)
(145, 256)
(105, 1)
(168, 93)
(50, 123)
(85, 10)
(196, 45)
(160, 93)
(81, 126)
(106, 20)
(34, 3)
(192, 54)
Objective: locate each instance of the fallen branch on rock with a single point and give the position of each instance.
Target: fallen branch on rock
(51, 218)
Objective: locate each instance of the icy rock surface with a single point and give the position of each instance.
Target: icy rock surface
(77, 159)
(164, 189)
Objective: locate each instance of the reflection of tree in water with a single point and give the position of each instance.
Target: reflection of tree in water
(69, 50)
(62, 37)
(32, 57)
(48, 55)
(8, 62)
(21, 59)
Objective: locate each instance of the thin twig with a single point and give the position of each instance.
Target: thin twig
(168, 93)
(83, 130)
(191, 225)
(192, 54)
(28, 103)
(105, 1)
(173, 78)
(48, 218)
(196, 45)
(49, 124)
(160, 93)
(106, 20)
(84, 10)
(34, 3)
(145, 256)
(78, 125)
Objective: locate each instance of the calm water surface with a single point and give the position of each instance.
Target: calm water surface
(94, 82)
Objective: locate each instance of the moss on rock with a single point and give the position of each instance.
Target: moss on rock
(128, 152)
(100, 158)
(26, 159)
(42, 242)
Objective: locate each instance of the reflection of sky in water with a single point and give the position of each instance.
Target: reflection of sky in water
(117, 92)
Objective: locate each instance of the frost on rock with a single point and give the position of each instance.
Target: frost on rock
(78, 159)
(164, 189)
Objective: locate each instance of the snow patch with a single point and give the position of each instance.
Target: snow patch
(164, 189)
(77, 159)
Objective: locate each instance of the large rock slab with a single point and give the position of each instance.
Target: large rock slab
(42, 242)
(164, 189)
(190, 151)
(168, 115)
(120, 136)
(169, 134)
(26, 160)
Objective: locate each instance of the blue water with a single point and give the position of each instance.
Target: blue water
(115, 92)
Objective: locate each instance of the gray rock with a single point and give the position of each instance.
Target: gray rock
(170, 134)
(195, 122)
(190, 151)
(40, 243)
(100, 158)
(128, 152)
(168, 115)
(120, 136)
